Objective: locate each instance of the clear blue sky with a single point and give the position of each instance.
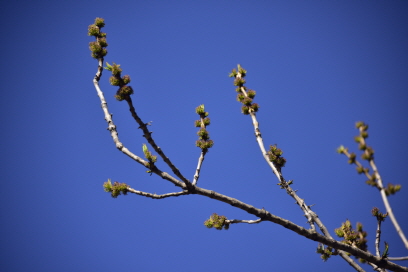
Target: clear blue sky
(317, 67)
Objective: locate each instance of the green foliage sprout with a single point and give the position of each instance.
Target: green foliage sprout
(116, 188)
(116, 80)
(274, 155)
(151, 158)
(217, 221)
(353, 237)
(325, 252)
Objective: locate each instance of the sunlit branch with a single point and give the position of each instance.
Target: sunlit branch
(387, 204)
(154, 196)
(114, 133)
(398, 258)
(310, 234)
(200, 162)
(378, 238)
(310, 215)
(379, 185)
(234, 221)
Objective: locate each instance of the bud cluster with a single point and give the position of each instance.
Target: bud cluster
(98, 48)
(203, 141)
(356, 238)
(380, 216)
(116, 80)
(245, 96)
(116, 189)
(368, 154)
(217, 221)
(274, 154)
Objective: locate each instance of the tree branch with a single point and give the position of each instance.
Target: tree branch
(154, 196)
(188, 188)
(149, 138)
(310, 215)
(375, 179)
(310, 234)
(387, 204)
(200, 162)
(235, 221)
(114, 133)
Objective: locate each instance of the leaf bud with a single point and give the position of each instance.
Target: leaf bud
(93, 30)
(255, 107)
(115, 81)
(247, 101)
(239, 82)
(126, 79)
(200, 110)
(341, 149)
(100, 22)
(251, 94)
(245, 110)
(233, 73)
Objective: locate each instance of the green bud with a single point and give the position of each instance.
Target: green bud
(100, 22)
(200, 110)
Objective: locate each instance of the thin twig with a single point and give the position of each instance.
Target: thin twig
(147, 135)
(310, 215)
(379, 185)
(398, 258)
(154, 196)
(202, 155)
(387, 204)
(235, 221)
(200, 162)
(114, 133)
(378, 238)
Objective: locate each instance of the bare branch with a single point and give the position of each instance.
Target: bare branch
(378, 238)
(200, 162)
(234, 221)
(378, 263)
(154, 196)
(310, 215)
(310, 234)
(375, 179)
(398, 258)
(148, 136)
(387, 204)
(114, 133)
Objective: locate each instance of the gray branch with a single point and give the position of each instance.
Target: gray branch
(154, 196)
(310, 215)
(148, 136)
(262, 214)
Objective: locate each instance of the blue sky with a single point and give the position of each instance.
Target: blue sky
(317, 67)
